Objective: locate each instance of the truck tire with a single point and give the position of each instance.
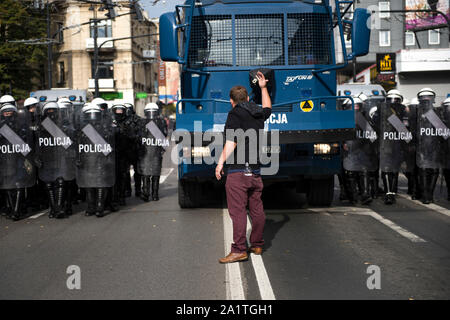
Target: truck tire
(189, 194)
(321, 192)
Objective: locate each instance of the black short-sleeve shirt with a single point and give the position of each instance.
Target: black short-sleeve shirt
(245, 121)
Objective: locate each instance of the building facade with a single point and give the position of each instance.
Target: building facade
(418, 40)
(127, 67)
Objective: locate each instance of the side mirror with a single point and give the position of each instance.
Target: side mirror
(168, 43)
(360, 33)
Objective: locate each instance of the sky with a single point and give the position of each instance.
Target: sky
(159, 8)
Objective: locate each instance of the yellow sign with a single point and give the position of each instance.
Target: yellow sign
(307, 106)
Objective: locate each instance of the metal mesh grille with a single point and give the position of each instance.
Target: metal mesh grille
(259, 40)
(211, 41)
(309, 38)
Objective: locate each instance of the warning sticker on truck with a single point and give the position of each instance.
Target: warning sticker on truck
(307, 105)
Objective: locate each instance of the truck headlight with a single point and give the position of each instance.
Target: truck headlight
(196, 152)
(325, 148)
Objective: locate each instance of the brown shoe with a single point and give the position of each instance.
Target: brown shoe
(234, 257)
(256, 250)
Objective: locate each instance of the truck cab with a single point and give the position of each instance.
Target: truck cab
(220, 44)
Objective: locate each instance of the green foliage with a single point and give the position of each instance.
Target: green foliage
(21, 65)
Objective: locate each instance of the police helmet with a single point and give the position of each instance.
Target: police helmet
(7, 99)
(426, 93)
(101, 103)
(446, 102)
(8, 107)
(394, 96)
(29, 102)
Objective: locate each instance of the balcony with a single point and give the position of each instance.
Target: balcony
(102, 83)
(107, 45)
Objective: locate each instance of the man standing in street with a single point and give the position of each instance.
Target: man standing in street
(244, 184)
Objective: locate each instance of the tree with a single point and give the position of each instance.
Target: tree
(21, 65)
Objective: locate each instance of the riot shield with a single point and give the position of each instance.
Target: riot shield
(152, 142)
(57, 150)
(393, 135)
(446, 162)
(16, 151)
(431, 135)
(96, 157)
(409, 149)
(361, 153)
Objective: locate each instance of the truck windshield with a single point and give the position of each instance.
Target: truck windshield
(260, 40)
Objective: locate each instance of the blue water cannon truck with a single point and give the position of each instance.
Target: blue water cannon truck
(222, 43)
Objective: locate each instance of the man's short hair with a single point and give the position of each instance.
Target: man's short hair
(238, 94)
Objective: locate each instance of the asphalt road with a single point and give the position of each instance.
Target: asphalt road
(158, 251)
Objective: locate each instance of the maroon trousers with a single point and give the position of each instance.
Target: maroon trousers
(243, 191)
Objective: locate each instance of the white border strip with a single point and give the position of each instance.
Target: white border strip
(235, 289)
(265, 288)
(163, 178)
(431, 206)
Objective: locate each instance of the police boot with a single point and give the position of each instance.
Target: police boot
(112, 199)
(90, 199)
(128, 183)
(352, 181)
(59, 197)
(51, 199)
(9, 203)
(409, 177)
(17, 210)
(446, 173)
(343, 187)
(69, 198)
(364, 182)
(433, 180)
(146, 182)
(427, 176)
(122, 188)
(155, 188)
(389, 195)
(100, 202)
(373, 180)
(137, 184)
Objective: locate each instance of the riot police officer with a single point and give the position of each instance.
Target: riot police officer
(133, 120)
(57, 158)
(431, 130)
(360, 158)
(96, 157)
(125, 137)
(151, 143)
(446, 164)
(17, 171)
(393, 135)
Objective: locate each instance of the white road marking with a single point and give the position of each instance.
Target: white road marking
(164, 177)
(431, 206)
(39, 214)
(265, 288)
(235, 289)
(369, 212)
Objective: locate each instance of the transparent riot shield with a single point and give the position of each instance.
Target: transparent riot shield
(432, 133)
(16, 151)
(393, 136)
(151, 145)
(95, 151)
(57, 150)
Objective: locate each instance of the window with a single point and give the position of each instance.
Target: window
(384, 6)
(309, 38)
(61, 73)
(105, 69)
(385, 38)
(410, 38)
(104, 29)
(60, 32)
(434, 37)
